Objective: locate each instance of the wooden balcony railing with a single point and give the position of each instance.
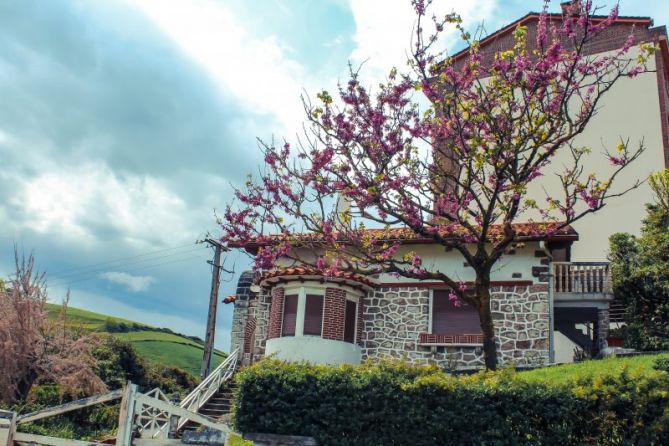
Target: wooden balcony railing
(582, 277)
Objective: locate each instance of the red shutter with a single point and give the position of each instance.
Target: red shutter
(289, 315)
(313, 315)
(349, 321)
(447, 319)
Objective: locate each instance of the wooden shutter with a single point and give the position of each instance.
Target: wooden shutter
(313, 315)
(447, 319)
(349, 321)
(289, 315)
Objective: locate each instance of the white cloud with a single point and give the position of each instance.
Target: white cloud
(384, 30)
(257, 70)
(86, 201)
(133, 284)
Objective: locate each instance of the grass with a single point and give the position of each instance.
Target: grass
(170, 349)
(87, 319)
(569, 373)
(179, 355)
(236, 440)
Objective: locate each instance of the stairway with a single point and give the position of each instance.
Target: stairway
(218, 407)
(575, 335)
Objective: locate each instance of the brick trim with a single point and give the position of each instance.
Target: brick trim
(334, 313)
(360, 322)
(427, 338)
(662, 67)
(493, 283)
(249, 332)
(275, 313)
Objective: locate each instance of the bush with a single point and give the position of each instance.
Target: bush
(398, 404)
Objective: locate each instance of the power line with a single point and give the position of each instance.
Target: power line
(151, 253)
(89, 270)
(97, 276)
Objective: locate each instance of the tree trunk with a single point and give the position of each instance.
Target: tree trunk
(482, 289)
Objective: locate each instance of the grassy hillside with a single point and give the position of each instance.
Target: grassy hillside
(161, 347)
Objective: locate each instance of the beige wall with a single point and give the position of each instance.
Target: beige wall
(630, 110)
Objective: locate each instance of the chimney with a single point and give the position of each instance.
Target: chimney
(572, 7)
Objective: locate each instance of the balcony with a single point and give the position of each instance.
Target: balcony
(586, 284)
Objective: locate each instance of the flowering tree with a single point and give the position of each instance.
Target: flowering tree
(457, 173)
(35, 349)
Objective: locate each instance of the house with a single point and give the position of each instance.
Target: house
(551, 294)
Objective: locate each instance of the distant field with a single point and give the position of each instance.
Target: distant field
(160, 347)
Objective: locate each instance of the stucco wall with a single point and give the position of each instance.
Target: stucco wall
(630, 110)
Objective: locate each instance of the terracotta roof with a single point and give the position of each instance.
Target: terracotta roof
(528, 231)
(632, 20)
(309, 272)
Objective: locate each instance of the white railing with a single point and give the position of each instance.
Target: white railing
(582, 277)
(201, 394)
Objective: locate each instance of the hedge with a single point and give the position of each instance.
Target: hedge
(392, 403)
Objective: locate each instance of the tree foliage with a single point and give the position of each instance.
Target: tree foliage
(35, 349)
(641, 273)
(456, 171)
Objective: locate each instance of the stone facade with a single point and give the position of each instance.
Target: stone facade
(395, 319)
(241, 312)
(395, 322)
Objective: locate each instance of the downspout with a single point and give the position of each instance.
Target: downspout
(551, 317)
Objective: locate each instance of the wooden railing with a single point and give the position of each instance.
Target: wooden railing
(582, 277)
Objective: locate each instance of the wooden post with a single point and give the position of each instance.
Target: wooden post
(174, 419)
(126, 415)
(213, 304)
(7, 427)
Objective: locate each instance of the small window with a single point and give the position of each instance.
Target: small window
(447, 319)
(313, 314)
(349, 321)
(289, 315)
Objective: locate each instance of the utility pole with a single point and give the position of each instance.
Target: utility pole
(213, 304)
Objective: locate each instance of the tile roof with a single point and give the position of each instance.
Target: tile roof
(531, 231)
(631, 20)
(305, 271)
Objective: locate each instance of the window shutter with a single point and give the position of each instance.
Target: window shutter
(349, 321)
(289, 315)
(313, 315)
(447, 319)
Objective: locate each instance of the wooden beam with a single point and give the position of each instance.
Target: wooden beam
(176, 410)
(7, 427)
(126, 415)
(30, 439)
(68, 407)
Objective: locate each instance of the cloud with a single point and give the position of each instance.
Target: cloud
(133, 284)
(257, 70)
(383, 33)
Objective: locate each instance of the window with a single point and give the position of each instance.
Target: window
(447, 319)
(349, 321)
(313, 314)
(289, 315)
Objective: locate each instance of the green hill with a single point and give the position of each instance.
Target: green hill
(159, 345)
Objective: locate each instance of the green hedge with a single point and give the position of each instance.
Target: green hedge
(397, 404)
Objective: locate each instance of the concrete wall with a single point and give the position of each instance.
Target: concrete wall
(313, 349)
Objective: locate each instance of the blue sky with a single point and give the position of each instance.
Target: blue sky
(123, 125)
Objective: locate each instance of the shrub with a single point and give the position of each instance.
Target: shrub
(398, 404)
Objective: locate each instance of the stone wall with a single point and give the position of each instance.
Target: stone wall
(240, 313)
(395, 318)
(260, 310)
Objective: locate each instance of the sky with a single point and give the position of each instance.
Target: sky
(125, 124)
